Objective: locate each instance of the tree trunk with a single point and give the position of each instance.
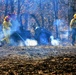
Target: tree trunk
(6, 7)
(25, 16)
(55, 3)
(41, 13)
(18, 12)
(12, 5)
(35, 19)
(42, 18)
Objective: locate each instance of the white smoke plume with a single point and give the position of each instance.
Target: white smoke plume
(54, 42)
(30, 42)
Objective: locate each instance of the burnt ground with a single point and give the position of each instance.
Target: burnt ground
(38, 60)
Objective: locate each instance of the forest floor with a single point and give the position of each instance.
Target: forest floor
(38, 60)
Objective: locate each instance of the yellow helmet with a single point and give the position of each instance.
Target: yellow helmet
(74, 16)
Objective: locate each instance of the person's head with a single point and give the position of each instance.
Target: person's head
(74, 16)
(6, 18)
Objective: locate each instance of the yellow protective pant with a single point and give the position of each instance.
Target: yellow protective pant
(6, 35)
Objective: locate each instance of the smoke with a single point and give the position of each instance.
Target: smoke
(62, 29)
(43, 36)
(21, 43)
(30, 42)
(1, 35)
(15, 26)
(14, 29)
(64, 35)
(54, 42)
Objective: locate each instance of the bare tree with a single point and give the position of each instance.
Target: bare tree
(18, 12)
(12, 5)
(6, 7)
(55, 4)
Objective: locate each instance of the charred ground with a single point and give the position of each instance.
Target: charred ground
(38, 60)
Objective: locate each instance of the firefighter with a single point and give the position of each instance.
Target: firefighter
(6, 29)
(73, 28)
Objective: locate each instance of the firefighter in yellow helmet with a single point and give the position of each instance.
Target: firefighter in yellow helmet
(73, 28)
(6, 29)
